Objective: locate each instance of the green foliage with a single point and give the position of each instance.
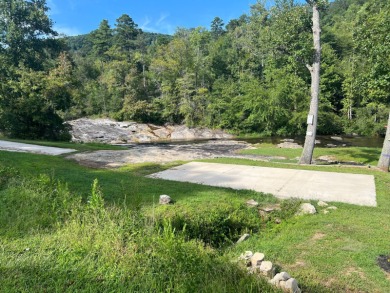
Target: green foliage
(122, 250)
(52, 242)
(249, 76)
(26, 34)
(6, 174)
(29, 206)
(216, 223)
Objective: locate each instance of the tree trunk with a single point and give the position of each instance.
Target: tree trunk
(384, 160)
(308, 147)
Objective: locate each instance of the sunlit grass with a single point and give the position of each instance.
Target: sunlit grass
(333, 252)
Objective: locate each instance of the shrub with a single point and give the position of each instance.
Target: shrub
(216, 224)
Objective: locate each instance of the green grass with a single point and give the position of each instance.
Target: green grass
(51, 239)
(363, 155)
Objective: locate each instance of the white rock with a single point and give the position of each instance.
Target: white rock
(247, 255)
(292, 286)
(282, 285)
(257, 258)
(243, 238)
(267, 269)
(331, 208)
(252, 203)
(165, 199)
(306, 209)
(322, 204)
(289, 145)
(326, 212)
(283, 276)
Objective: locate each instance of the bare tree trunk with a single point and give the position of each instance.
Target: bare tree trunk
(308, 147)
(384, 160)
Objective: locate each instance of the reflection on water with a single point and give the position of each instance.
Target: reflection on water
(324, 140)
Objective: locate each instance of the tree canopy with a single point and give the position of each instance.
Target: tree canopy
(248, 76)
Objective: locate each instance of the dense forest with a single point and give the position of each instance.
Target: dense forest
(248, 76)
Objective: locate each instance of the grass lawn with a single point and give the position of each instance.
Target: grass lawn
(363, 155)
(49, 241)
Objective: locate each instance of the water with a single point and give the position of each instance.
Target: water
(322, 141)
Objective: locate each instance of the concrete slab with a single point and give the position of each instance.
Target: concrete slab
(283, 183)
(30, 148)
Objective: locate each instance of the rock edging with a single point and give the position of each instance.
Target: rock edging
(256, 264)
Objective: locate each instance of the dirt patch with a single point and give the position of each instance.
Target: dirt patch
(298, 264)
(318, 236)
(355, 271)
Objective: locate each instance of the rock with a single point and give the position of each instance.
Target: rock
(278, 221)
(317, 141)
(283, 276)
(243, 238)
(331, 208)
(287, 140)
(322, 204)
(264, 215)
(106, 130)
(162, 133)
(165, 199)
(338, 138)
(267, 269)
(289, 145)
(282, 285)
(292, 286)
(270, 208)
(306, 209)
(331, 145)
(326, 212)
(247, 255)
(257, 259)
(252, 203)
(327, 159)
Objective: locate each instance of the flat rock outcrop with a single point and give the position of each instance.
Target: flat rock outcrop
(159, 153)
(113, 132)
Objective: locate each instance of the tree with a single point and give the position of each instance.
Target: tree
(126, 32)
(32, 92)
(26, 34)
(373, 43)
(384, 160)
(314, 69)
(102, 39)
(217, 28)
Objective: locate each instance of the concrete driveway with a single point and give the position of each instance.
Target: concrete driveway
(283, 183)
(30, 148)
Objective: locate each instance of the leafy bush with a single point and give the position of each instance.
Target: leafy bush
(216, 224)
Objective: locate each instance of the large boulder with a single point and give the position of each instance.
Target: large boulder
(306, 209)
(112, 132)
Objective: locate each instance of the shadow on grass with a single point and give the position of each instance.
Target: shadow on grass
(363, 155)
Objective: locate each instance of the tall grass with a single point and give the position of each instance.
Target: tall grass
(52, 241)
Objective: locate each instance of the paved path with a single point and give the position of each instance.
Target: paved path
(30, 148)
(283, 183)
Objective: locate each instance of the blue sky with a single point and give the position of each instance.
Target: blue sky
(73, 17)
